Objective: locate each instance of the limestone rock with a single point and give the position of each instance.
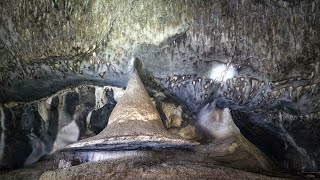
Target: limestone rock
(228, 138)
(134, 123)
(173, 115)
(259, 58)
(41, 127)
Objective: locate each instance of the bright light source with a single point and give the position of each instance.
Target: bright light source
(222, 72)
(131, 62)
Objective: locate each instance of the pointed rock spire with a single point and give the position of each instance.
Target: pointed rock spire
(134, 123)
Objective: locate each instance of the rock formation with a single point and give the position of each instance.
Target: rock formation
(134, 123)
(258, 58)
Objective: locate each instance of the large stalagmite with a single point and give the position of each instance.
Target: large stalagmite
(134, 123)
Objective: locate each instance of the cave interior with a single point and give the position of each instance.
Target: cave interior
(165, 89)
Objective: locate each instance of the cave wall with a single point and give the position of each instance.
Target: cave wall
(258, 57)
(32, 130)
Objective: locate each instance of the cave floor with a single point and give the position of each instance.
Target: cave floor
(143, 167)
(131, 170)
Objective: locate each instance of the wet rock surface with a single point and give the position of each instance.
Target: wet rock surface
(258, 58)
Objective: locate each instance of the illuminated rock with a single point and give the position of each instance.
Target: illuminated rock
(229, 145)
(134, 123)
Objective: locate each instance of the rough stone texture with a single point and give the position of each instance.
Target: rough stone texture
(35, 129)
(135, 131)
(219, 124)
(259, 58)
(206, 163)
(165, 163)
(173, 115)
(134, 123)
(150, 170)
(32, 172)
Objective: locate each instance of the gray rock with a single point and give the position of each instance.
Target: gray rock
(258, 58)
(32, 130)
